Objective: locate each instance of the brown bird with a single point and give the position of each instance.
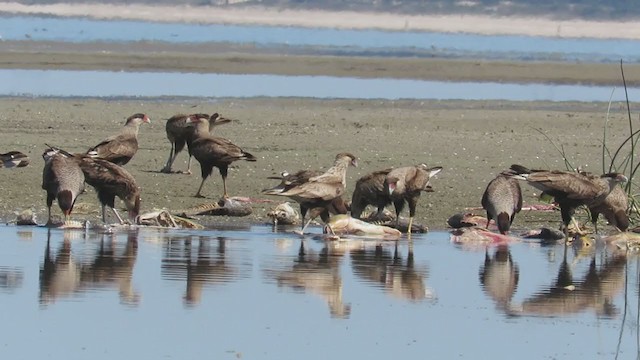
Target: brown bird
(212, 151)
(614, 208)
(570, 189)
(405, 184)
(320, 191)
(369, 190)
(288, 181)
(13, 159)
(502, 199)
(179, 134)
(111, 180)
(63, 179)
(120, 148)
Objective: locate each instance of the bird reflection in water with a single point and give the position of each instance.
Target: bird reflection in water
(209, 267)
(499, 276)
(596, 290)
(399, 278)
(317, 273)
(62, 275)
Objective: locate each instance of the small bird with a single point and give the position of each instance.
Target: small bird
(405, 184)
(502, 199)
(212, 151)
(570, 189)
(179, 134)
(120, 149)
(63, 179)
(13, 159)
(369, 190)
(320, 191)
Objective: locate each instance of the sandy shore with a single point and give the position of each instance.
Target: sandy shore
(473, 141)
(534, 26)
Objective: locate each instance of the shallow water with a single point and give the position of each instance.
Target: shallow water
(65, 83)
(255, 293)
(331, 41)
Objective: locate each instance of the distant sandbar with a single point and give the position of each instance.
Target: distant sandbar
(477, 24)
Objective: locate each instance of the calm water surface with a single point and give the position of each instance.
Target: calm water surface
(65, 83)
(332, 41)
(254, 293)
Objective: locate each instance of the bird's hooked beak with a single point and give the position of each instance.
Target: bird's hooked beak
(146, 119)
(391, 187)
(354, 162)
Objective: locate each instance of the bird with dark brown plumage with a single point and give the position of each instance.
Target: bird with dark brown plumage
(180, 134)
(320, 191)
(120, 148)
(111, 180)
(570, 189)
(63, 179)
(614, 208)
(369, 190)
(502, 199)
(405, 184)
(212, 151)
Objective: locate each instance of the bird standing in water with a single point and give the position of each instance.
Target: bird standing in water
(62, 179)
(319, 192)
(502, 199)
(405, 184)
(570, 189)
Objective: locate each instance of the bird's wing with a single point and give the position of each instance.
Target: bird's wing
(574, 185)
(116, 146)
(316, 190)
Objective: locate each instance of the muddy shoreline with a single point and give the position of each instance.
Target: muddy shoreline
(239, 59)
(472, 140)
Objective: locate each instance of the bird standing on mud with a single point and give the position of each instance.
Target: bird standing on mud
(502, 199)
(369, 190)
(179, 134)
(405, 184)
(320, 191)
(111, 180)
(120, 148)
(212, 151)
(570, 189)
(63, 179)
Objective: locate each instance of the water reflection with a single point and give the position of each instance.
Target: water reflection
(316, 272)
(196, 261)
(64, 274)
(499, 276)
(595, 290)
(386, 268)
(10, 278)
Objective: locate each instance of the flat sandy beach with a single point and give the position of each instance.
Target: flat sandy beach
(471, 140)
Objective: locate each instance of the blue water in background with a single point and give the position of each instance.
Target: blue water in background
(337, 42)
(65, 83)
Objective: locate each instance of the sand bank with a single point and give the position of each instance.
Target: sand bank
(477, 24)
(473, 141)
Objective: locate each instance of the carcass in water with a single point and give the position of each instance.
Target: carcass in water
(479, 236)
(284, 214)
(346, 225)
